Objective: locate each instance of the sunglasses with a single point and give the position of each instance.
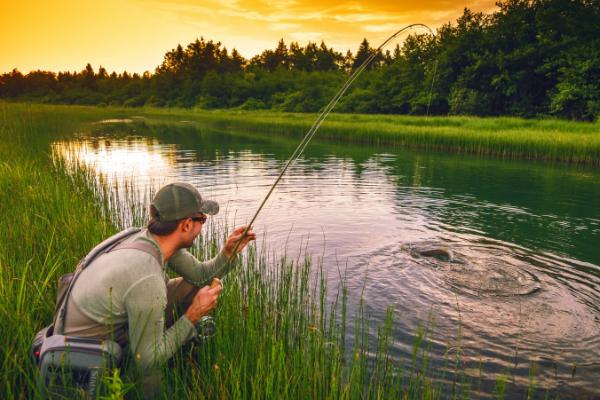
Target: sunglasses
(202, 218)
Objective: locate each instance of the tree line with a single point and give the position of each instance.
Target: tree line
(528, 58)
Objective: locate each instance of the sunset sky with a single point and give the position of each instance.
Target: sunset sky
(134, 35)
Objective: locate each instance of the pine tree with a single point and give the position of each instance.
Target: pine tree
(364, 51)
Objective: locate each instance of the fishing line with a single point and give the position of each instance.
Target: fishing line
(326, 110)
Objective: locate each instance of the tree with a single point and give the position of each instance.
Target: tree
(273, 59)
(12, 84)
(172, 62)
(237, 62)
(364, 51)
(348, 61)
(102, 73)
(530, 57)
(327, 59)
(88, 77)
(577, 93)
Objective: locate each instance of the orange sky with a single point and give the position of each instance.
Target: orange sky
(134, 35)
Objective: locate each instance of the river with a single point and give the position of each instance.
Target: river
(503, 255)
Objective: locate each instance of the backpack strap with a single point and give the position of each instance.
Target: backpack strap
(112, 243)
(144, 246)
(107, 245)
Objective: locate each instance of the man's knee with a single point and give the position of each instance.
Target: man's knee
(180, 294)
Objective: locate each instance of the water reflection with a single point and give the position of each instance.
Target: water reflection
(521, 281)
(118, 159)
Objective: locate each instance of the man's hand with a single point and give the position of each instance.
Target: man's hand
(204, 302)
(234, 238)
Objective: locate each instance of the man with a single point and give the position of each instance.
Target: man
(126, 295)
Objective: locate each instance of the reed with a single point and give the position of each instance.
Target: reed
(49, 219)
(280, 334)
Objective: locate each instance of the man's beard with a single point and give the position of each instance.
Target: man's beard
(189, 244)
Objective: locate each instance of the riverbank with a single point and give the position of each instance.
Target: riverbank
(549, 140)
(514, 138)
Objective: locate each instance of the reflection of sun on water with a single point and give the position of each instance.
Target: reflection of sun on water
(130, 168)
(117, 159)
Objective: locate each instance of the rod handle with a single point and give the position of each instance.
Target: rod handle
(215, 282)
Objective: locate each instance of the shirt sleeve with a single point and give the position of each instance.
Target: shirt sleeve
(150, 343)
(197, 272)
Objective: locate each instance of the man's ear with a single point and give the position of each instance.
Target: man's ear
(185, 225)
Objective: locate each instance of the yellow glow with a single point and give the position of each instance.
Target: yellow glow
(134, 35)
(116, 160)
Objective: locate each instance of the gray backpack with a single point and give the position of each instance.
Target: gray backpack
(73, 365)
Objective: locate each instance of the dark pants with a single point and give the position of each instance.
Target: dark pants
(180, 294)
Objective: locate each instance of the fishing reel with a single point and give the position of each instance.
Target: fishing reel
(206, 327)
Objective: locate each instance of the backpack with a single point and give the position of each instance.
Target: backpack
(74, 363)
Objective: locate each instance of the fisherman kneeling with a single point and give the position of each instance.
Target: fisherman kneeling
(125, 295)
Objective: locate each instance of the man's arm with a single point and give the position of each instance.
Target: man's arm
(199, 273)
(150, 343)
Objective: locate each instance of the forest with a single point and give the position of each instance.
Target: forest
(529, 58)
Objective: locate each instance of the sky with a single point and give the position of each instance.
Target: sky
(134, 35)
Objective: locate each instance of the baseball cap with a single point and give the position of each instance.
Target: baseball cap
(181, 200)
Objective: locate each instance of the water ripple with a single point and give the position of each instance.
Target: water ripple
(501, 257)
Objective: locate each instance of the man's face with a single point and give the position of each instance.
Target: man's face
(194, 225)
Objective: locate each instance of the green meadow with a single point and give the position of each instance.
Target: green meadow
(278, 334)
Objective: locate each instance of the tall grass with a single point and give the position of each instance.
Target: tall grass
(278, 334)
(49, 220)
(516, 138)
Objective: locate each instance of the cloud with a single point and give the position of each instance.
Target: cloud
(243, 22)
(389, 27)
(283, 26)
(291, 14)
(307, 36)
(363, 17)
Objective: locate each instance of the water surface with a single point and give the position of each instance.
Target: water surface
(503, 255)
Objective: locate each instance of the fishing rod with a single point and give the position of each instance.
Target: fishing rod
(317, 123)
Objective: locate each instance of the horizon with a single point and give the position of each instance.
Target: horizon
(144, 31)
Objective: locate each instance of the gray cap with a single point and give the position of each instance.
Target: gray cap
(181, 200)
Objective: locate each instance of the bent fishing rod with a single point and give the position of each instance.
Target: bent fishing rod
(315, 126)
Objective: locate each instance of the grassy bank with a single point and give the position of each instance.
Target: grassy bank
(50, 219)
(546, 140)
(278, 335)
(515, 138)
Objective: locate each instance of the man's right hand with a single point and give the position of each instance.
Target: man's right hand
(204, 302)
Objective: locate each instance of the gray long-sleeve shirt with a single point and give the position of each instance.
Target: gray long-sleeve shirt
(126, 290)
